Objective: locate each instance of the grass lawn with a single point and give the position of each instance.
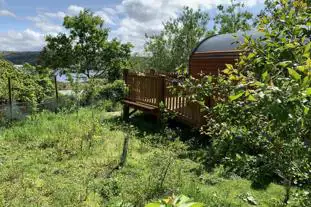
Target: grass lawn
(67, 160)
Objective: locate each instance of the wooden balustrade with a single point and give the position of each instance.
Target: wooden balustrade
(149, 90)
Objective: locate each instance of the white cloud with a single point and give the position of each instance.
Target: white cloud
(50, 22)
(49, 28)
(57, 15)
(27, 40)
(110, 11)
(7, 13)
(141, 16)
(130, 20)
(74, 10)
(107, 16)
(45, 24)
(146, 17)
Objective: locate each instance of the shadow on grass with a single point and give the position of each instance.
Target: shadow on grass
(147, 124)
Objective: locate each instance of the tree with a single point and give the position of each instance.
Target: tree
(172, 47)
(138, 63)
(232, 19)
(86, 49)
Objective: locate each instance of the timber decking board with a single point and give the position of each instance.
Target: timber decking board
(140, 105)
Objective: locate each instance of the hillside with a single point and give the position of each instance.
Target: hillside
(20, 58)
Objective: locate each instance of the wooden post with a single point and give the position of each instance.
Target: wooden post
(125, 75)
(161, 99)
(126, 112)
(152, 71)
(56, 94)
(126, 108)
(10, 98)
(162, 90)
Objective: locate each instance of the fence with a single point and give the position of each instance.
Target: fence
(148, 90)
(11, 108)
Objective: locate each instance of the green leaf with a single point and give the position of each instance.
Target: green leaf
(306, 110)
(251, 55)
(182, 199)
(236, 96)
(307, 50)
(227, 71)
(290, 45)
(229, 66)
(308, 91)
(302, 68)
(265, 76)
(251, 98)
(306, 81)
(294, 74)
(284, 63)
(153, 205)
(193, 204)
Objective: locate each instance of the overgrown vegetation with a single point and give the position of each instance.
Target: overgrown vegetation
(31, 84)
(97, 90)
(260, 123)
(66, 160)
(258, 128)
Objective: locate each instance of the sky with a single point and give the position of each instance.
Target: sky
(25, 23)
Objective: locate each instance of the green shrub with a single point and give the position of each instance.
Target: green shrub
(30, 84)
(97, 89)
(261, 122)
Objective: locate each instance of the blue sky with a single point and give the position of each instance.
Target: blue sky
(25, 23)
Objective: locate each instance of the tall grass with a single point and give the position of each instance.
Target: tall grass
(65, 160)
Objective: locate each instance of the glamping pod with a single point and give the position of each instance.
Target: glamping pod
(213, 53)
(147, 91)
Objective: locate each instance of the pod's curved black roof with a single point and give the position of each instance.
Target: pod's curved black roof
(224, 42)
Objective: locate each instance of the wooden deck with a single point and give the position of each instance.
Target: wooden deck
(148, 91)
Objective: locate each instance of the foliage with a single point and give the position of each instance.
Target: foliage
(138, 63)
(232, 19)
(261, 123)
(173, 46)
(97, 89)
(83, 147)
(86, 50)
(176, 201)
(29, 84)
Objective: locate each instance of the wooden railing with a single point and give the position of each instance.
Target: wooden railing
(152, 89)
(145, 88)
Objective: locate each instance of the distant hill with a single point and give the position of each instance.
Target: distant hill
(20, 58)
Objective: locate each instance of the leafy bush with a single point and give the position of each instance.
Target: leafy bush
(261, 120)
(29, 84)
(98, 89)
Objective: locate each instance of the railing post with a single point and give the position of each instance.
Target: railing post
(126, 108)
(56, 94)
(161, 99)
(152, 71)
(10, 98)
(162, 90)
(125, 74)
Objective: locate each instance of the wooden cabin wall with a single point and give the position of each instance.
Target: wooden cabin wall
(210, 63)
